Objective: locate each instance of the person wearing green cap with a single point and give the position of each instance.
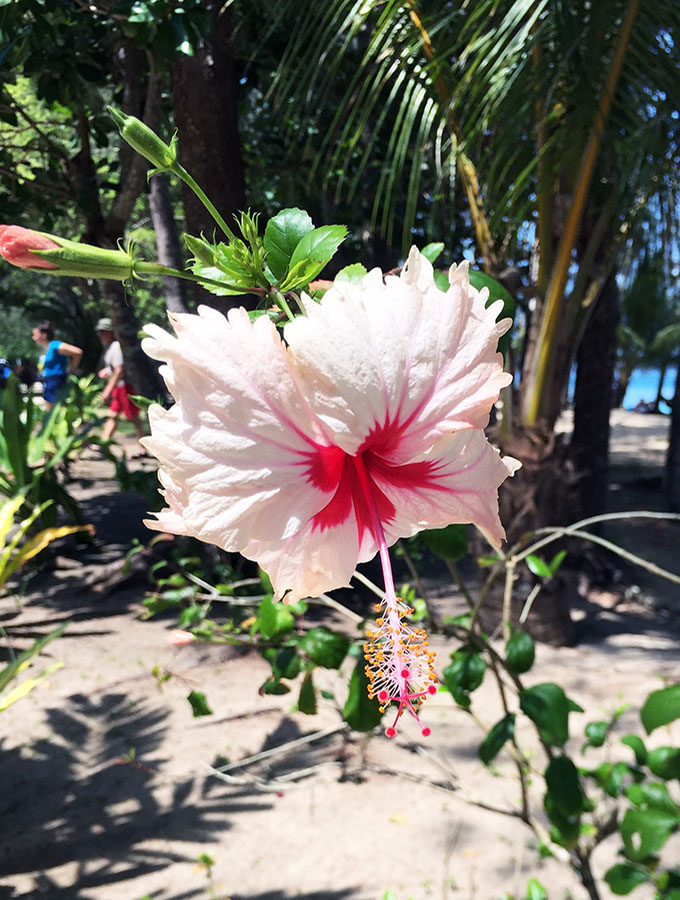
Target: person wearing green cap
(116, 391)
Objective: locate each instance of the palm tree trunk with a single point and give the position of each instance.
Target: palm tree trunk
(673, 458)
(596, 358)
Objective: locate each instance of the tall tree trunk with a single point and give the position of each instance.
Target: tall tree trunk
(167, 242)
(673, 458)
(596, 359)
(206, 116)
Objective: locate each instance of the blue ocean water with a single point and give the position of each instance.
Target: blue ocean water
(643, 386)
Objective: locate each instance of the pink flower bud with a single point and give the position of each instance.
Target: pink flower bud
(179, 637)
(17, 245)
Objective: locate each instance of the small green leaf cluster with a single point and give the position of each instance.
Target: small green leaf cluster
(290, 254)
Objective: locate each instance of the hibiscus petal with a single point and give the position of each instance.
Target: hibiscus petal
(238, 448)
(457, 481)
(400, 354)
(312, 562)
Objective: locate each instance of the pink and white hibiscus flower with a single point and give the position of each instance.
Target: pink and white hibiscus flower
(312, 455)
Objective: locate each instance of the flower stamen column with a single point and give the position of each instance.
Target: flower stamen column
(399, 665)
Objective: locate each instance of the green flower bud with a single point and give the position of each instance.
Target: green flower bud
(146, 142)
(86, 261)
(201, 249)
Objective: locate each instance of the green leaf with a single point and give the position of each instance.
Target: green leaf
(307, 698)
(353, 274)
(199, 705)
(611, 777)
(300, 274)
(286, 663)
(660, 708)
(567, 826)
(637, 745)
(645, 831)
(596, 732)
(274, 619)
(623, 878)
(653, 795)
(501, 732)
(448, 543)
(273, 686)
(282, 235)
(548, 707)
(324, 647)
(557, 561)
(432, 251)
(319, 245)
(535, 890)
(538, 566)
(665, 762)
(360, 712)
(497, 291)
(441, 279)
(464, 674)
(564, 786)
(520, 652)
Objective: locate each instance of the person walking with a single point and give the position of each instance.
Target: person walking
(116, 391)
(59, 361)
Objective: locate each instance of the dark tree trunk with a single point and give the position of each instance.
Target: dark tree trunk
(167, 242)
(673, 458)
(596, 359)
(206, 116)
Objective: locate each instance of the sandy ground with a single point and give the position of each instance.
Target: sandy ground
(107, 794)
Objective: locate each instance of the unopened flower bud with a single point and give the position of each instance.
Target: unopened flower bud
(145, 141)
(30, 249)
(17, 246)
(201, 249)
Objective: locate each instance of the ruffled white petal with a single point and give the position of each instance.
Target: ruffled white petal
(464, 473)
(400, 353)
(234, 449)
(312, 562)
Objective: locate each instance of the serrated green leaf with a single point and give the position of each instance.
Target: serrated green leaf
(282, 235)
(448, 543)
(199, 704)
(301, 274)
(353, 274)
(307, 697)
(492, 744)
(360, 712)
(660, 708)
(319, 245)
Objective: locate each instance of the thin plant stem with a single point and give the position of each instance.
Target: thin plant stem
(182, 173)
(414, 573)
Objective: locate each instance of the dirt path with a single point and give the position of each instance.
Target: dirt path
(107, 795)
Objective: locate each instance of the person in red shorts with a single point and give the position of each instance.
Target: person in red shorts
(116, 390)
